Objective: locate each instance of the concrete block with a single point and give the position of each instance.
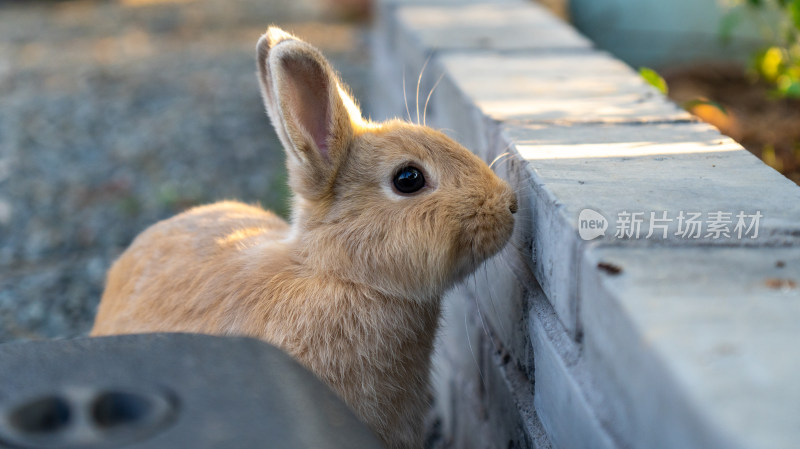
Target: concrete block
(653, 168)
(461, 334)
(513, 26)
(658, 167)
(587, 87)
(695, 347)
(483, 396)
(455, 364)
(454, 113)
(562, 383)
(459, 414)
(395, 3)
(509, 401)
(404, 71)
(167, 391)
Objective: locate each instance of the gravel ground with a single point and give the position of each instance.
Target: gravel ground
(116, 114)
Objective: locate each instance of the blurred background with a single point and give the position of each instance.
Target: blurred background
(733, 63)
(115, 114)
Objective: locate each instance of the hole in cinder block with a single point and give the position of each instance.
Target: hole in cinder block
(87, 417)
(43, 416)
(116, 409)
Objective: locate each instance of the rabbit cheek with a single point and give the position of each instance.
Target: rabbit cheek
(486, 232)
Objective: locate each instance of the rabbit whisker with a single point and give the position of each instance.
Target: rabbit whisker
(504, 152)
(521, 191)
(419, 81)
(405, 98)
(425, 108)
(472, 351)
(511, 157)
(498, 158)
(491, 297)
(478, 306)
(473, 293)
(522, 273)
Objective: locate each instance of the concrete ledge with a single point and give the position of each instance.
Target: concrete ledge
(508, 26)
(696, 338)
(655, 168)
(561, 378)
(645, 336)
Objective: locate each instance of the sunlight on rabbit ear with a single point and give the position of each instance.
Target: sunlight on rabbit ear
(354, 111)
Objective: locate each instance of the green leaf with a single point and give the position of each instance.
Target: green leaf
(789, 88)
(794, 11)
(654, 79)
(728, 23)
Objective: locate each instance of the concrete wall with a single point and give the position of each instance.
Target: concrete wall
(625, 340)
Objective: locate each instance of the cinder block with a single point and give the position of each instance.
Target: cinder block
(514, 26)
(658, 168)
(695, 347)
(483, 397)
(453, 113)
(509, 400)
(586, 87)
(404, 68)
(562, 384)
(455, 365)
(168, 391)
(461, 415)
(389, 59)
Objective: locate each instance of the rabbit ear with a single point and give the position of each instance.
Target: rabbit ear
(312, 114)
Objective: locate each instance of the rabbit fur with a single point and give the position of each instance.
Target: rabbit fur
(352, 287)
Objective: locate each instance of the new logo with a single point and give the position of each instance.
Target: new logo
(591, 224)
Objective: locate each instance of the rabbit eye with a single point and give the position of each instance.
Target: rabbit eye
(409, 180)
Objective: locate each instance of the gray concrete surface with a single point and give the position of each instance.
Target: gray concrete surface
(718, 324)
(159, 391)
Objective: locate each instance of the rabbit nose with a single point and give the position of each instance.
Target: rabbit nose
(513, 205)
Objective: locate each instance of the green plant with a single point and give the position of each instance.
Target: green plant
(779, 22)
(652, 78)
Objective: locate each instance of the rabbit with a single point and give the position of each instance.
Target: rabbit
(386, 217)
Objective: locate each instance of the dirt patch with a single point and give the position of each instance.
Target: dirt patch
(726, 96)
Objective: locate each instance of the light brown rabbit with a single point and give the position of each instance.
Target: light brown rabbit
(386, 217)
